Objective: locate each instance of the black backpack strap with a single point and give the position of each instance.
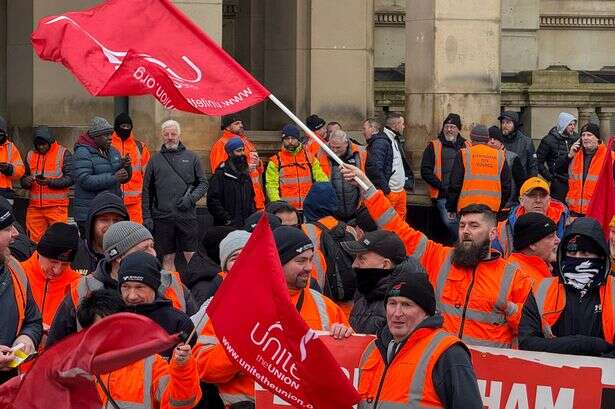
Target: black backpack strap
(309, 164)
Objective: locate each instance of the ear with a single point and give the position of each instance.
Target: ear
(388, 264)
(493, 233)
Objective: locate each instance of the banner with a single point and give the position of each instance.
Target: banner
(602, 203)
(139, 47)
(271, 342)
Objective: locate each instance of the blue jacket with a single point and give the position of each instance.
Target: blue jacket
(94, 173)
(379, 165)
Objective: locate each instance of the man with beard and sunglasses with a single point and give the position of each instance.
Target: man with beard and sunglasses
(230, 198)
(479, 294)
(573, 312)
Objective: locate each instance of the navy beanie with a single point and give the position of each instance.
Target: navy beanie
(232, 144)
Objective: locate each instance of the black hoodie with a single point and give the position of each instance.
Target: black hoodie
(579, 330)
(450, 150)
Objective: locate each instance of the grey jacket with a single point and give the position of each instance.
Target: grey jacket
(163, 186)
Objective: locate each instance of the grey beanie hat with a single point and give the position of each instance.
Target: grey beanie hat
(99, 126)
(122, 236)
(234, 241)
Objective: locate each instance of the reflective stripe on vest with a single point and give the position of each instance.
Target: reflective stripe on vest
(38, 167)
(148, 374)
(20, 290)
(541, 298)
(312, 232)
(580, 191)
(481, 188)
(321, 306)
(170, 281)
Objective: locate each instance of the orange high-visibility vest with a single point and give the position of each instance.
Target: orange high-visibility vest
(48, 165)
(10, 154)
(218, 155)
(319, 269)
(437, 169)
(580, 191)
(359, 153)
(535, 267)
(407, 382)
(139, 157)
(481, 181)
(550, 296)
(295, 176)
(20, 288)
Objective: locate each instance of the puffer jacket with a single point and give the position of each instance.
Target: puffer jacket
(379, 165)
(349, 195)
(93, 171)
(368, 313)
(230, 198)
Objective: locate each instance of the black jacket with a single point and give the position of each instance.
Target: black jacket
(202, 277)
(552, 147)
(518, 176)
(230, 198)
(520, 144)
(457, 176)
(349, 196)
(163, 187)
(579, 329)
(368, 313)
(450, 150)
(379, 164)
(453, 375)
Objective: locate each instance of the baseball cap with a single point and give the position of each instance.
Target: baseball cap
(384, 243)
(534, 183)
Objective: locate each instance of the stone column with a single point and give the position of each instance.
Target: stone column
(452, 65)
(585, 115)
(605, 116)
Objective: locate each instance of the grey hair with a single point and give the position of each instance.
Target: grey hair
(339, 134)
(169, 123)
(374, 123)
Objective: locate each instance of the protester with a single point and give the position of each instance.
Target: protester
(515, 165)
(174, 181)
(254, 218)
(11, 165)
(414, 362)
(348, 194)
(20, 320)
(139, 280)
(536, 241)
(288, 215)
(516, 141)
(320, 313)
(173, 384)
(553, 146)
(534, 197)
(230, 198)
(48, 176)
(317, 125)
(583, 165)
(363, 223)
(379, 165)
(480, 175)
(232, 127)
(97, 167)
(291, 171)
(376, 257)
(471, 281)
(437, 164)
(49, 272)
(124, 140)
(402, 178)
(120, 240)
(572, 313)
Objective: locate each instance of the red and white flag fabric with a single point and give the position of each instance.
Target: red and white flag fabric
(602, 204)
(139, 47)
(263, 333)
(62, 376)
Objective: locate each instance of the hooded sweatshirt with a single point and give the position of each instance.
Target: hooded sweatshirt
(321, 201)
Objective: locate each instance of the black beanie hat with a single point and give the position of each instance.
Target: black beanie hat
(291, 242)
(228, 119)
(6, 213)
(60, 242)
(453, 119)
(140, 267)
(122, 118)
(591, 128)
(416, 287)
(314, 122)
(496, 133)
(252, 221)
(530, 228)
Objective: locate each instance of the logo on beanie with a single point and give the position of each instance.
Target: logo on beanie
(113, 252)
(572, 243)
(5, 216)
(304, 248)
(396, 289)
(132, 278)
(366, 242)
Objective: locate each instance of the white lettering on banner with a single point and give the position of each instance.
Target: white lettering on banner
(208, 103)
(518, 397)
(150, 82)
(280, 354)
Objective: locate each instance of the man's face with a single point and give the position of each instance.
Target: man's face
(475, 229)
(507, 126)
(52, 269)
(7, 237)
(582, 254)
(297, 271)
(370, 259)
(135, 293)
(146, 246)
(450, 131)
(290, 143)
(239, 152)
(398, 125)
(103, 141)
(331, 128)
(546, 248)
(570, 128)
(230, 262)
(236, 128)
(102, 222)
(41, 146)
(338, 146)
(536, 200)
(322, 132)
(403, 315)
(288, 218)
(589, 141)
(494, 143)
(170, 137)
(368, 130)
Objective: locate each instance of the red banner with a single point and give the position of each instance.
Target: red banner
(602, 204)
(271, 342)
(139, 47)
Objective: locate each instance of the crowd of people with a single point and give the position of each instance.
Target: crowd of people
(528, 270)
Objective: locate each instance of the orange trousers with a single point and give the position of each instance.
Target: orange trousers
(38, 219)
(398, 201)
(135, 212)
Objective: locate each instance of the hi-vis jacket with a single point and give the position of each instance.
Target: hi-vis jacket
(482, 306)
(139, 157)
(10, 155)
(52, 165)
(581, 189)
(152, 383)
(481, 183)
(318, 311)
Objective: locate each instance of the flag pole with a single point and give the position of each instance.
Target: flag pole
(312, 135)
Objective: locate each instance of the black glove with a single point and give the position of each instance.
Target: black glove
(149, 224)
(184, 203)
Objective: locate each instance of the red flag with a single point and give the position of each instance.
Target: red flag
(140, 47)
(602, 204)
(62, 376)
(264, 334)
